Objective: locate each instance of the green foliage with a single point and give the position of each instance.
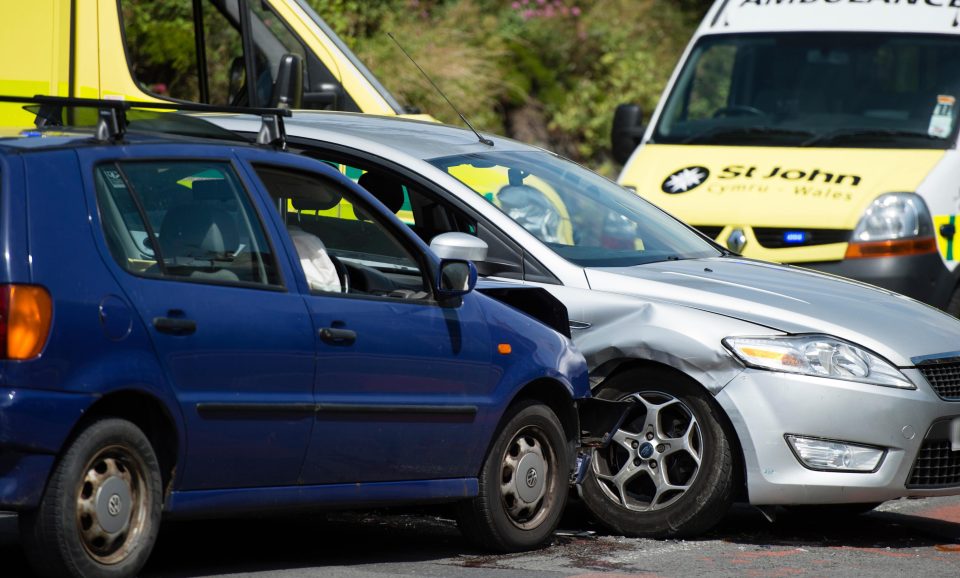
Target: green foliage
(550, 72)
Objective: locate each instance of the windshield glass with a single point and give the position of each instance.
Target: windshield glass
(824, 89)
(582, 216)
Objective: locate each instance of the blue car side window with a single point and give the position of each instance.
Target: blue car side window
(183, 219)
(342, 247)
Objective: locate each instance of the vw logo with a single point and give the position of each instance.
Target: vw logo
(685, 180)
(737, 241)
(532, 477)
(114, 504)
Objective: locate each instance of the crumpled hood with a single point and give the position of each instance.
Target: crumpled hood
(792, 300)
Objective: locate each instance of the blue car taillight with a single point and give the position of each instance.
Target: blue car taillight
(26, 312)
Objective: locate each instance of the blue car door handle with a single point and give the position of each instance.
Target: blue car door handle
(335, 336)
(175, 326)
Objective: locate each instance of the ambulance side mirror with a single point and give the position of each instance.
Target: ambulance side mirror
(627, 131)
(288, 89)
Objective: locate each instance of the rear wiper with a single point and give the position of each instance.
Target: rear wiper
(855, 133)
(744, 131)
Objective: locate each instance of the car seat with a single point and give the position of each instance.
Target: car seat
(385, 189)
(198, 241)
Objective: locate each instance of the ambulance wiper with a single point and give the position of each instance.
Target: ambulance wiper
(729, 132)
(842, 134)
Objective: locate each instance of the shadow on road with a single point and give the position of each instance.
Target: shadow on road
(889, 530)
(201, 548)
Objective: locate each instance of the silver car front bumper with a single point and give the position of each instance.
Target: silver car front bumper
(764, 406)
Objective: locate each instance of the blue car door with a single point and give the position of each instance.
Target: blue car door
(237, 344)
(400, 381)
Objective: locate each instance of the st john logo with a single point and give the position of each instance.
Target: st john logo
(685, 180)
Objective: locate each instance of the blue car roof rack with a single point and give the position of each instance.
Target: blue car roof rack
(114, 117)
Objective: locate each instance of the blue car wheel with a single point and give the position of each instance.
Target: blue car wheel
(100, 513)
(523, 483)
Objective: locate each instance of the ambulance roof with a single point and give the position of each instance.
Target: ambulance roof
(907, 16)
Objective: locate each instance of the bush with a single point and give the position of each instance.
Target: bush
(548, 72)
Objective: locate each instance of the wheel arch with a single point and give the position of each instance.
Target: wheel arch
(151, 416)
(557, 397)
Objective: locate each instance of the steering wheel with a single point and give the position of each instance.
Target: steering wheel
(738, 110)
(342, 273)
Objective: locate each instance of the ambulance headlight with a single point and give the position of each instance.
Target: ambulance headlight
(894, 216)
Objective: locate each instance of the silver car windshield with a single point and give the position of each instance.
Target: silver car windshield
(582, 216)
(835, 89)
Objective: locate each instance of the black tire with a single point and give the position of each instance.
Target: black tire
(822, 512)
(510, 515)
(953, 306)
(661, 490)
(100, 512)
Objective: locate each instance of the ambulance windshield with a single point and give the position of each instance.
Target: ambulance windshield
(861, 90)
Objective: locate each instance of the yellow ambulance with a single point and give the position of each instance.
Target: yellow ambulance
(821, 133)
(223, 52)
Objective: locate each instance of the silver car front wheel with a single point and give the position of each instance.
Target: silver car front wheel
(669, 469)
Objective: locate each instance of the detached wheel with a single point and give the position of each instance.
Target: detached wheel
(669, 470)
(100, 513)
(523, 483)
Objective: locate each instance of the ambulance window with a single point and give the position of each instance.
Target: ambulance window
(162, 38)
(273, 39)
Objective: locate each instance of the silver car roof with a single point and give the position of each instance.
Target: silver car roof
(421, 139)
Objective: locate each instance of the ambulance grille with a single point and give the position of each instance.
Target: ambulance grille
(779, 238)
(944, 377)
(936, 466)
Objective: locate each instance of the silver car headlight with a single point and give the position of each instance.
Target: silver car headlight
(819, 356)
(894, 216)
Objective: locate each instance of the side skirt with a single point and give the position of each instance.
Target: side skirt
(215, 503)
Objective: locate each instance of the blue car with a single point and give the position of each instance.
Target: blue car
(167, 353)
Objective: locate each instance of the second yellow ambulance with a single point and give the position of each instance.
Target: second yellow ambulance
(821, 133)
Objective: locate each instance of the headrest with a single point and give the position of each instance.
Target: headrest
(313, 203)
(212, 190)
(386, 190)
(197, 232)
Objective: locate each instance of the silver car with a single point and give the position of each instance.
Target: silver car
(752, 381)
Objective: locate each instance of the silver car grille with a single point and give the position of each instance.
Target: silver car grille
(944, 376)
(936, 466)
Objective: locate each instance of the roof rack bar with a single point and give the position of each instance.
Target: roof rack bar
(109, 125)
(112, 121)
(128, 104)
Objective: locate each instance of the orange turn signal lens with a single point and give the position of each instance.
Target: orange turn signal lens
(893, 248)
(27, 312)
(504, 349)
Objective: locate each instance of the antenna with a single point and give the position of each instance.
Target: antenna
(483, 140)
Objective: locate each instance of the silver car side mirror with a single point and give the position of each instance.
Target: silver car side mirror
(459, 246)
